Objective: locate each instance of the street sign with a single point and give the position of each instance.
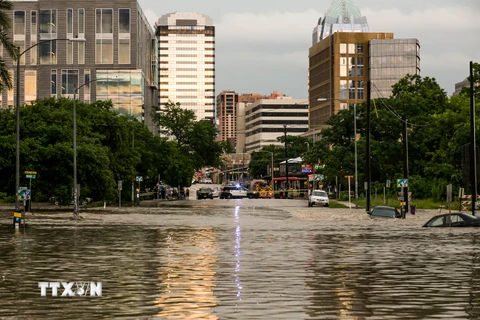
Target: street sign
(23, 195)
(30, 172)
(120, 185)
(139, 178)
(31, 176)
(402, 183)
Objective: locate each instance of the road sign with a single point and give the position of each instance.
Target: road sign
(30, 172)
(139, 178)
(31, 176)
(23, 195)
(120, 185)
(402, 183)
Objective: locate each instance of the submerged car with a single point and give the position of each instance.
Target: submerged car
(204, 193)
(456, 219)
(318, 197)
(385, 212)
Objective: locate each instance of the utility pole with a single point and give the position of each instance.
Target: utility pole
(405, 163)
(367, 153)
(286, 161)
(473, 145)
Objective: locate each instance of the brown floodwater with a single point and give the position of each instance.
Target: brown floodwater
(240, 261)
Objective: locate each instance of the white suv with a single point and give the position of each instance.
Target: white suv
(318, 197)
(230, 192)
(207, 180)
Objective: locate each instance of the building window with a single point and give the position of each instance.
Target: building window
(351, 48)
(53, 82)
(351, 90)
(360, 67)
(19, 23)
(81, 34)
(19, 32)
(33, 37)
(30, 85)
(104, 36)
(351, 67)
(10, 92)
(360, 90)
(343, 48)
(343, 89)
(86, 86)
(48, 31)
(360, 48)
(69, 81)
(69, 44)
(124, 36)
(343, 66)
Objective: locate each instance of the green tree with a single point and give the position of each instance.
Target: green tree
(7, 43)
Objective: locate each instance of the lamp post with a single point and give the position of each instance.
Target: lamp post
(17, 107)
(355, 144)
(75, 185)
(286, 162)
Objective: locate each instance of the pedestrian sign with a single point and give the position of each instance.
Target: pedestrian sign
(402, 183)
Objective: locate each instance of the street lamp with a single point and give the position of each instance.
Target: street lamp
(75, 186)
(17, 106)
(355, 143)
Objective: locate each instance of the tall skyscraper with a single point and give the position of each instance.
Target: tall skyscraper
(187, 62)
(226, 115)
(345, 58)
(116, 62)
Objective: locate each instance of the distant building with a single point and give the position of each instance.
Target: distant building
(265, 121)
(345, 58)
(118, 60)
(226, 115)
(187, 62)
(460, 85)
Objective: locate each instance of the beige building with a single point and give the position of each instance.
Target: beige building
(345, 56)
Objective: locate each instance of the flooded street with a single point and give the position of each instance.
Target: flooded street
(239, 259)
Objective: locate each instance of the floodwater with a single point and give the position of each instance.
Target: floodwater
(245, 260)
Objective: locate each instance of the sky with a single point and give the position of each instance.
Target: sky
(262, 46)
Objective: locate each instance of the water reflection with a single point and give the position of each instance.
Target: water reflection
(186, 278)
(241, 263)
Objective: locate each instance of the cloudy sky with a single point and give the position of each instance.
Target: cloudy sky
(262, 46)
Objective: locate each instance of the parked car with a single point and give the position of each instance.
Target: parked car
(216, 192)
(230, 192)
(318, 197)
(385, 212)
(204, 193)
(457, 219)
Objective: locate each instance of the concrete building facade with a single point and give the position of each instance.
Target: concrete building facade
(226, 116)
(265, 121)
(118, 60)
(187, 62)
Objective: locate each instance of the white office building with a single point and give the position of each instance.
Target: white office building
(267, 119)
(187, 62)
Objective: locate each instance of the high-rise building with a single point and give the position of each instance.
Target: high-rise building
(226, 115)
(116, 62)
(345, 58)
(460, 85)
(187, 62)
